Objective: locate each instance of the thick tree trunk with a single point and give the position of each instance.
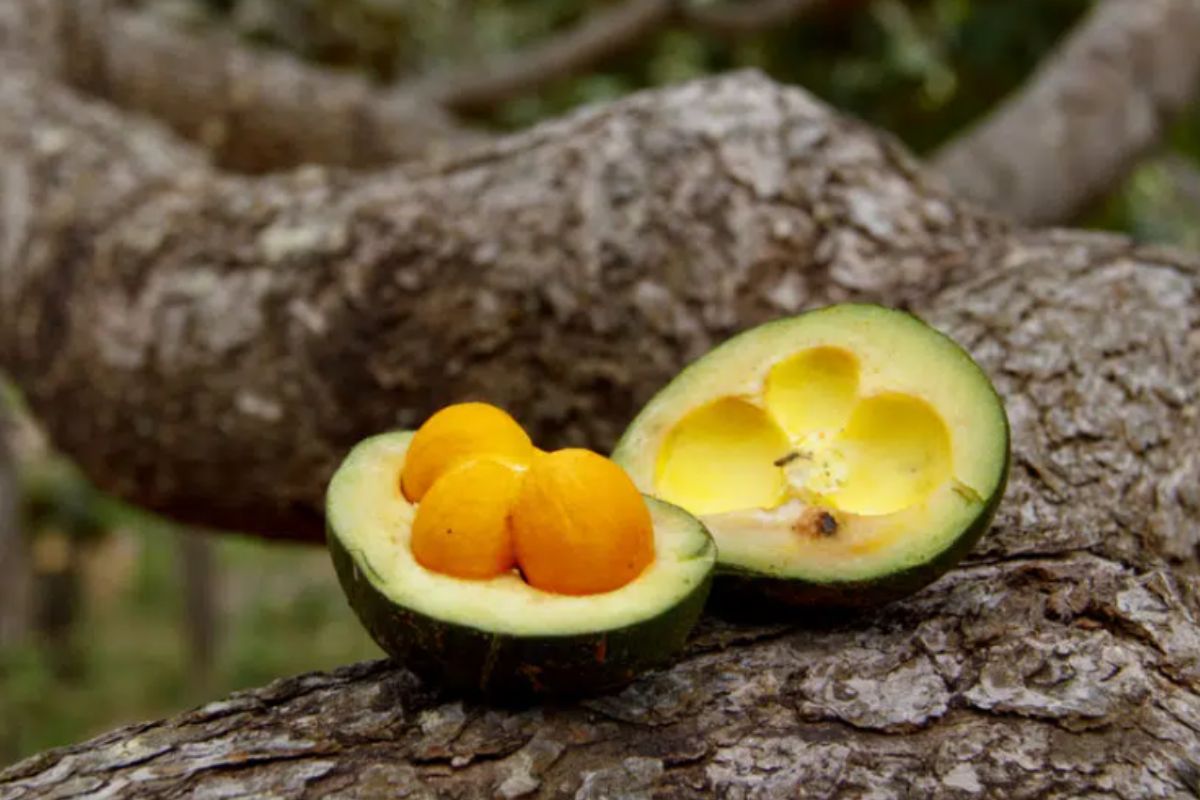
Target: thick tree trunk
(210, 345)
(174, 327)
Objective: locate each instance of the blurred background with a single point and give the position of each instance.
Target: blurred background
(112, 616)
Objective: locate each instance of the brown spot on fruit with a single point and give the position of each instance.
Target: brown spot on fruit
(816, 522)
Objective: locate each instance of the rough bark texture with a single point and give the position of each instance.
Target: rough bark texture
(224, 326)
(209, 345)
(1068, 676)
(1093, 108)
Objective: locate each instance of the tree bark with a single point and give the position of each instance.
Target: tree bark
(256, 111)
(209, 345)
(1050, 677)
(1094, 107)
(258, 327)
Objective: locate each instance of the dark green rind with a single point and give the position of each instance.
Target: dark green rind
(508, 667)
(740, 593)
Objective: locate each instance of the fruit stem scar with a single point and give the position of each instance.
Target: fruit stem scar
(827, 524)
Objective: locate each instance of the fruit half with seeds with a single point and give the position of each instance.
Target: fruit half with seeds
(847, 456)
(517, 572)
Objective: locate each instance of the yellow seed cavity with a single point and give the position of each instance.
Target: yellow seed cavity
(720, 457)
(817, 440)
(812, 394)
(896, 449)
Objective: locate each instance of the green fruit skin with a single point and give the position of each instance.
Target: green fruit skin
(738, 592)
(507, 667)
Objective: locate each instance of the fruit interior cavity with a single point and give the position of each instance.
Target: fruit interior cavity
(812, 437)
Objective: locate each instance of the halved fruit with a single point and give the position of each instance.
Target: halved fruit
(847, 456)
(501, 636)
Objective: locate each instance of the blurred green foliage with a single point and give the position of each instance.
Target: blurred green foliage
(279, 610)
(919, 68)
(281, 613)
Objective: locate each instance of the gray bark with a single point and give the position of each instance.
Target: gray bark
(1050, 677)
(220, 325)
(209, 345)
(1094, 107)
(257, 111)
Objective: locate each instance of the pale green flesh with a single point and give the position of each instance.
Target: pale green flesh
(370, 516)
(879, 532)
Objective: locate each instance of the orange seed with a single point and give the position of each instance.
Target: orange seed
(579, 525)
(458, 433)
(461, 527)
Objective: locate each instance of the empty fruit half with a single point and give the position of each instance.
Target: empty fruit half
(847, 456)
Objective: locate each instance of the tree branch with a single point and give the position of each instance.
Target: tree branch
(1065, 646)
(254, 110)
(598, 37)
(1085, 117)
(258, 111)
(1064, 675)
(735, 19)
(1124, 71)
(258, 328)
